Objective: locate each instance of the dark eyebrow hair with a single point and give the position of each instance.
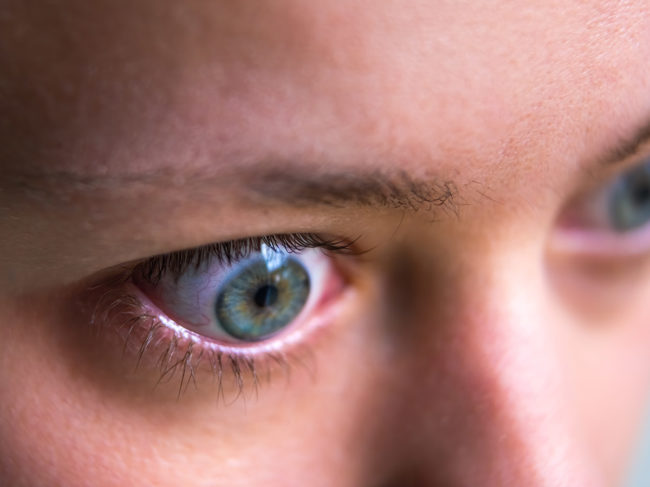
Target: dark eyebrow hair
(289, 183)
(628, 146)
(397, 190)
(298, 185)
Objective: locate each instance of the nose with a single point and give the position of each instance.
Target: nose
(489, 404)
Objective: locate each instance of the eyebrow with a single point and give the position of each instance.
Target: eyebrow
(297, 185)
(628, 146)
(397, 190)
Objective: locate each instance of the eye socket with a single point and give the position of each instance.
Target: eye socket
(612, 221)
(245, 300)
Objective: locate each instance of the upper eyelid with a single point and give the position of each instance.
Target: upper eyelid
(601, 183)
(599, 179)
(630, 147)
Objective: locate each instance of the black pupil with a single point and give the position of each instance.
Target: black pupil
(641, 193)
(266, 295)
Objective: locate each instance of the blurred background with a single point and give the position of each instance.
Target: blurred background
(640, 473)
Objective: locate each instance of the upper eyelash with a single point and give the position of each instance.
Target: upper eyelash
(176, 263)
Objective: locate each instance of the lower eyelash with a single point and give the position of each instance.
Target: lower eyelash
(158, 344)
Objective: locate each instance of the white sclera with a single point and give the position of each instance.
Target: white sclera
(190, 299)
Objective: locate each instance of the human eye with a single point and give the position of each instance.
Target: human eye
(611, 221)
(229, 307)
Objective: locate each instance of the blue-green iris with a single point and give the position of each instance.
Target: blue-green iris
(629, 203)
(258, 301)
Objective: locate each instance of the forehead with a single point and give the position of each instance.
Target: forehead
(461, 87)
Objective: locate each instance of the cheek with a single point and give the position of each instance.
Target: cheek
(605, 349)
(69, 420)
(608, 377)
(55, 429)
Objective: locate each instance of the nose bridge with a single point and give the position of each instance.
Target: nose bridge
(490, 402)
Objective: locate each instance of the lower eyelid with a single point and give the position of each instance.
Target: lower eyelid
(601, 244)
(151, 341)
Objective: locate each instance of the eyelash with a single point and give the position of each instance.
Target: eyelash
(119, 307)
(228, 252)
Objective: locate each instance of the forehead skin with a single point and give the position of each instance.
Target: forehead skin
(487, 94)
(475, 85)
(510, 97)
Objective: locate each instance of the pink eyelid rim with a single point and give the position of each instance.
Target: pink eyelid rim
(600, 244)
(321, 313)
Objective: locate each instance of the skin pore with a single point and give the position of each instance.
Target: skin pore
(465, 343)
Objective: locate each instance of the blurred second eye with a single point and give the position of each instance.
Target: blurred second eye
(629, 201)
(611, 221)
